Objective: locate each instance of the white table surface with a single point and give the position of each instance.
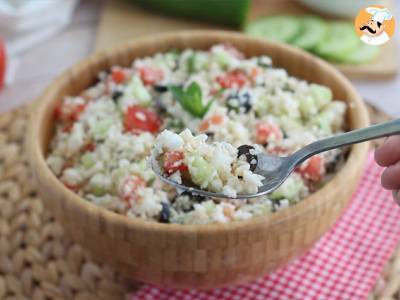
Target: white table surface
(44, 62)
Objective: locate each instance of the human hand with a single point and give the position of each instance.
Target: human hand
(388, 155)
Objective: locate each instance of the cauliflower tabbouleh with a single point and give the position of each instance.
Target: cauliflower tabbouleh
(217, 167)
(105, 135)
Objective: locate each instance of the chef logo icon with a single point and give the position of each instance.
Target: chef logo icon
(375, 25)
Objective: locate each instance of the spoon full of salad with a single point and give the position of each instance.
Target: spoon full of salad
(188, 162)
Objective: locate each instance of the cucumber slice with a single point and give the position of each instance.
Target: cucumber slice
(340, 41)
(277, 28)
(362, 54)
(314, 31)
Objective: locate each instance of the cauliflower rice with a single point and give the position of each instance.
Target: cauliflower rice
(104, 135)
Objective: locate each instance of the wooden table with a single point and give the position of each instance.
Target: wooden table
(44, 62)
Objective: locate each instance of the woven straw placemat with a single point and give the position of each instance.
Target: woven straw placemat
(38, 261)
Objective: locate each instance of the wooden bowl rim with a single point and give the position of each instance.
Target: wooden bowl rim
(37, 160)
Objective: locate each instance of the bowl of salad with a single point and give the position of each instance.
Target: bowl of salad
(207, 101)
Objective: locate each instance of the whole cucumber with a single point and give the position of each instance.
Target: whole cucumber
(225, 12)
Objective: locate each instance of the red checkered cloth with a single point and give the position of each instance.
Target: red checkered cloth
(343, 264)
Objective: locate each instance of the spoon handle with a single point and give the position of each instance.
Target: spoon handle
(347, 138)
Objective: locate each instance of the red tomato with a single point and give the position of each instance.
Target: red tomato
(173, 162)
(150, 75)
(254, 73)
(204, 125)
(129, 187)
(68, 112)
(232, 79)
(266, 132)
(139, 119)
(89, 147)
(213, 120)
(2, 63)
(71, 187)
(313, 168)
(118, 76)
(67, 127)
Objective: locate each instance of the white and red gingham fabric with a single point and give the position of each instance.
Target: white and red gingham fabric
(344, 264)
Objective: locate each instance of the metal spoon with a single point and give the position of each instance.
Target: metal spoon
(276, 169)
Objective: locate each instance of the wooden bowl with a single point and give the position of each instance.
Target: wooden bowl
(195, 256)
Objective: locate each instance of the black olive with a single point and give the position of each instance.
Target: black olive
(116, 94)
(250, 158)
(334, 164)
(160, 88)
(165, 213)
(210, 134)
(194, 197)
(240, 103)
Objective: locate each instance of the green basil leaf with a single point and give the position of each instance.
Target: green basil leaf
(191, 99)
(207, 107)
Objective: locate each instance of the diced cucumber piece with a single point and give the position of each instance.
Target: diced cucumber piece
(209, 206)
(98, 185)
(313, 32)
(322, 95)
(135, 93)
(100, 129)
(291, 189)
(340, 41)
(200, 170)
(98, 191)
(261, 106)
(323, 122)
(278, 28)
(88, 160)
(307, 106)
(362, 54)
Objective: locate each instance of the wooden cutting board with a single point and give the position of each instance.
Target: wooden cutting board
(121, 20)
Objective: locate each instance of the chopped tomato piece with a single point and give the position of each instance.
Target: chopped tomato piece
(150, 75)
(71, 187)
(232, 79)
(313, 168)
(89, 147)
(216, 119)
(139, 119)
(213, 120)
(129, 187)
(67, 127)
(173, 162)
(204, 125)
(69, 112)
(254, 73)
(267, 132)
(228, 212)
(119, 76)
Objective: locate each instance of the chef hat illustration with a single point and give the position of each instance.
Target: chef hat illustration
(379, 14)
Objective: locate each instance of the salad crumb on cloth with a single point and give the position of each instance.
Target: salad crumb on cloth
(104, 136)
(217, 167)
